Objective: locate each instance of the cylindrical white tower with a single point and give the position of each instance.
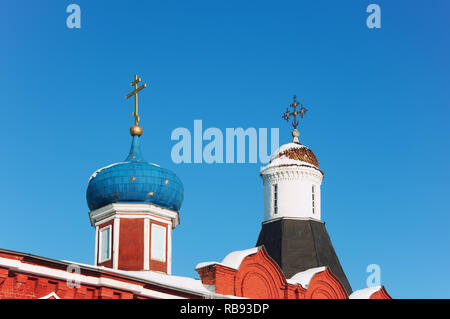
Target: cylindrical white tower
(292, 182)
(293, 233)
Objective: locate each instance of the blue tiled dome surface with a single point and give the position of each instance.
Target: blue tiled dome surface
(135, 181)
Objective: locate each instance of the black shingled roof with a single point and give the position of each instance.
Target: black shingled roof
(297, 245)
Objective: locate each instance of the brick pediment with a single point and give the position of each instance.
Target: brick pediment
(259, 277)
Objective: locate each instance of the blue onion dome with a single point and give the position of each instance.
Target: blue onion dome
(135, 181)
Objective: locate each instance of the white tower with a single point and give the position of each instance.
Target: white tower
(292, 179)
(292, 232)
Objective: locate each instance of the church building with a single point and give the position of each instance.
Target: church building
(134, 206)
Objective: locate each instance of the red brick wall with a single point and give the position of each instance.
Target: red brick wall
(259, 277)
(381, 294)
(19, 285)
(131, 244)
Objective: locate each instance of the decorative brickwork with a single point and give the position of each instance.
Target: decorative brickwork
(24, 285)
(259, 277)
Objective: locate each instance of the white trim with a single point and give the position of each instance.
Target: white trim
(50, 295)
(306, 168)
(146, 244)
(109, 228)
(294, 218)
(116, 247)
(96, 246)
(83, 279)
(169, 250)
(122, 208)
(134, 216)
(17, 265)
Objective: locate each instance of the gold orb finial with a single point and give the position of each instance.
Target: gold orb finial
(136, 130)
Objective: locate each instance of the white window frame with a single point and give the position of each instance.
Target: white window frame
(100, 244)
(152, 242)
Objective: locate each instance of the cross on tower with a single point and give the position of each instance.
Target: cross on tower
(294, 113)
(135, 93)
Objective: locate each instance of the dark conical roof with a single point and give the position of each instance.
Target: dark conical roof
(297, 245)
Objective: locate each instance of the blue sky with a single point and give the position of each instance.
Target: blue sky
(377, 121)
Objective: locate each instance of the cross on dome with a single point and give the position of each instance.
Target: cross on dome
(136, 129)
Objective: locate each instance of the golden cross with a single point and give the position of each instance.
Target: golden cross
(300, 112)
(135, 93)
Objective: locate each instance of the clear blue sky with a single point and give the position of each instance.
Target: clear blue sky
(378, 122)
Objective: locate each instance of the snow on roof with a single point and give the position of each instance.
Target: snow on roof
(286, 147)
(111, 165)
(279, 161)
(275, 160)
(365, 293)
(178, 282)
(304, 278)
(232, 260)
(161, 279)
(186, 284)
(101, 169)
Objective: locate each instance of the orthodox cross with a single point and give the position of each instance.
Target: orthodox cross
(301, 112)
(135, 93)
